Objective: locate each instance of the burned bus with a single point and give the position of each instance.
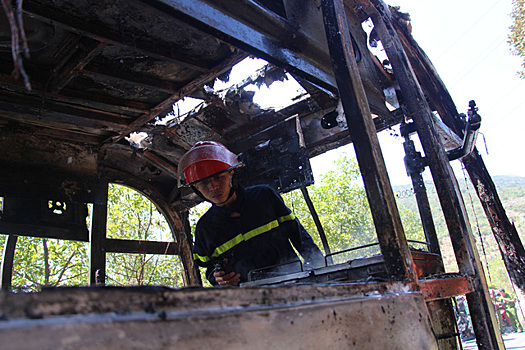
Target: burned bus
(80, 77)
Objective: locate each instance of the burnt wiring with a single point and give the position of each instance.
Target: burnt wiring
(19, 47)
(477, 223)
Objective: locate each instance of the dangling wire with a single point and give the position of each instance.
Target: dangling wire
(477, 223)
(492, 295)
(18, 38)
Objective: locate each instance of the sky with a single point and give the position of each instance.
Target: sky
(467, 43)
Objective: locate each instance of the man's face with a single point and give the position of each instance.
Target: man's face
(217, 188)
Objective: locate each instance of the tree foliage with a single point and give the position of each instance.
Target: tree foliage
(41, 262)
(517, 32)
(341, 203)
(133, 216)
(511, 190)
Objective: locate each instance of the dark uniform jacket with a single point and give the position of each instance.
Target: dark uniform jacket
(257, 238)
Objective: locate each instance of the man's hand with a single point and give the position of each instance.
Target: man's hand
(224, 279)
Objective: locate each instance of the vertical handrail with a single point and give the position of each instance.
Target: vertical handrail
(318, 224)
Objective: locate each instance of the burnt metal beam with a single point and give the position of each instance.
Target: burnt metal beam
(109, 73)
(162, 163)
(112, 245)
(183, 91)
(504, 231)
(102, 104)
(8, 262)
(115, 106)
(212, 20)
(445, 287)
(107, 36)
(97, 254)
(73, 103)
(191, 276)
(480, 305)
(318, 224)
(62, 110)
(56, 120)
(384, 210)
(83, 55)
(71, 136)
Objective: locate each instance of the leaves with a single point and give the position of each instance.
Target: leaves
(65, 264)
(517, 32)
(133, 216)
(341, 204)
(41, 262)
(340, 201)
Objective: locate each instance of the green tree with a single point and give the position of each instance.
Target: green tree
(133, 216)
(341, 203)
(43, 262)
(517, 31)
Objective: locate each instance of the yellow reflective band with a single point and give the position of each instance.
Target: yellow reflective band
(288, 217)
(201, 258)
(228, 245)
(248, 235)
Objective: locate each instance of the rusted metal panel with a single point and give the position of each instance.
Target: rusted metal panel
(445, 287)
(444, 324)
(262, 318)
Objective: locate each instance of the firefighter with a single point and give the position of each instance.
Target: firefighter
(249, 228)
(510, 308)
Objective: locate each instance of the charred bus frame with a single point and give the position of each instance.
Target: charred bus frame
(73, 109)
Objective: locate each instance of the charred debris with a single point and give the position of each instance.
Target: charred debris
(87, 96)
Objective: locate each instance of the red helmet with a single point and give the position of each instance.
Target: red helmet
(204, 159)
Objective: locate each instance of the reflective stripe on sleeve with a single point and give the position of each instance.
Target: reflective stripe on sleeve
(201, 258)
(244, 237)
